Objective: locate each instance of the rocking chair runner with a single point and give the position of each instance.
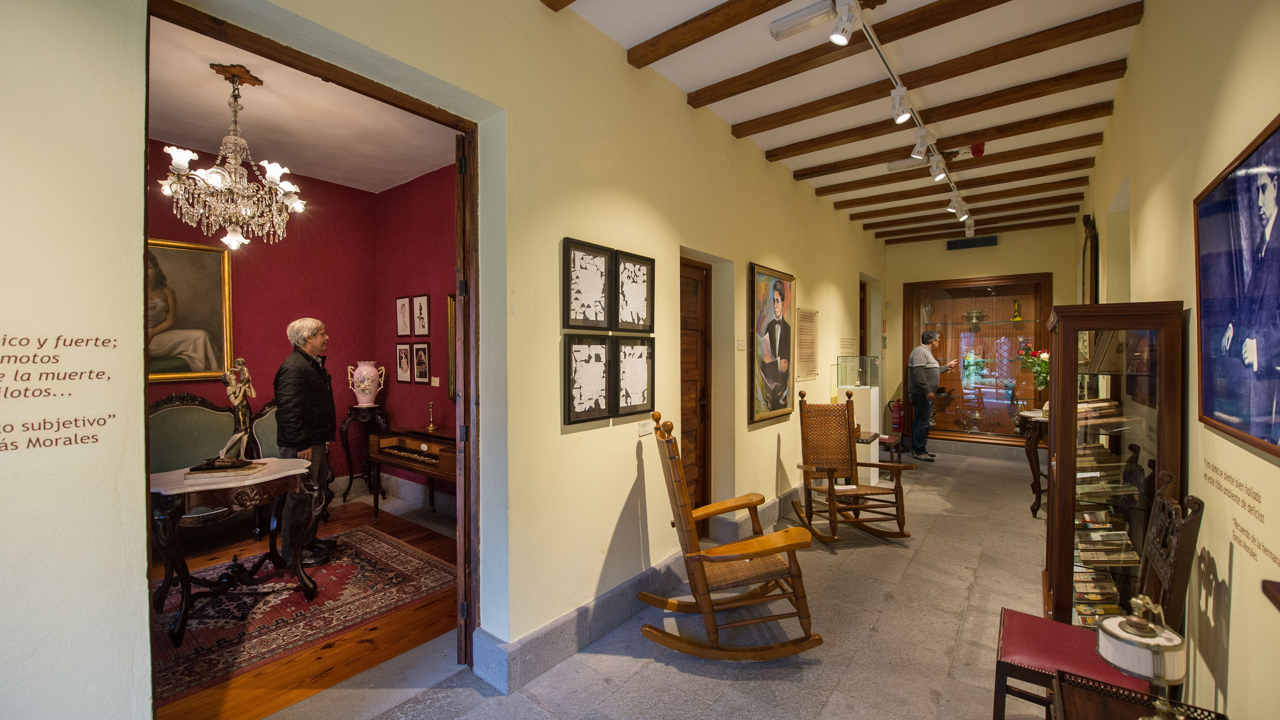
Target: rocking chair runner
(767, 562)
(828, 434)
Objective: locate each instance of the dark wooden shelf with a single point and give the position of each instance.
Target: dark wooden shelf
(1271, 588)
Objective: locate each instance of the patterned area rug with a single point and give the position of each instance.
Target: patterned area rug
(371, 575)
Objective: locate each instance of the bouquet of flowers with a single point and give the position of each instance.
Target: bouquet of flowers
(1037, 361)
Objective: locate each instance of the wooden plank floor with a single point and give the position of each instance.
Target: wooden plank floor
(292, 678)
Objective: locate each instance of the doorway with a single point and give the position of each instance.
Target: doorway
(695, 380)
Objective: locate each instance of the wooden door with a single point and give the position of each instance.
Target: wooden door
(695, 379)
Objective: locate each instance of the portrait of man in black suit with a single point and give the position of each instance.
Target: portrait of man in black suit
(775, 362)
(773, 312)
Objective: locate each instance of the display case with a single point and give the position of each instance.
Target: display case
(984, 323)
(1115, 419)
(860, 374)
(854, 371)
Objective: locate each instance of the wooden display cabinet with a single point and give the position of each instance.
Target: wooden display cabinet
(1115, 420)
(984, 323)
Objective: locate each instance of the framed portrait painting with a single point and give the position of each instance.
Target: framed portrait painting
(633, 375)
(633, 297)
(1238, 295)
(588, 302)
(404, 363)
(422, 315)
(422, 363)
(188, 311)
(771, 313)
(586, 378)
(404, 315)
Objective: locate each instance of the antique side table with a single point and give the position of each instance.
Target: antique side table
(174, 496)
(1037, 426)
(363, 414)
(1082, 698)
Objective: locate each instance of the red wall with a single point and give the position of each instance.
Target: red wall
(344, 260)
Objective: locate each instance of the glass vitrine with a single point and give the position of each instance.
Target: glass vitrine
(854, 371)
(1115, 417)
(985, 324)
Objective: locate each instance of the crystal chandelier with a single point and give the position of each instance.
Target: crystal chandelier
(223, 196)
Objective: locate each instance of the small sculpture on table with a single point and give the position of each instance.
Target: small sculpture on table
(926, 312)
(239, 390)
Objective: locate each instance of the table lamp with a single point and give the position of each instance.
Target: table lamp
(1145, 649)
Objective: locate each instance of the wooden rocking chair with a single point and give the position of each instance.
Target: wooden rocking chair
(764, 563)
(828, 435)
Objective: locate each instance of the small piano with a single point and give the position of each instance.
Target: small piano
(435, 456)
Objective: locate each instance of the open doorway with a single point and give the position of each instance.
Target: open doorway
(391, 193)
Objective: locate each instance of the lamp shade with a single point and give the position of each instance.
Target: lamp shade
(1148, 651)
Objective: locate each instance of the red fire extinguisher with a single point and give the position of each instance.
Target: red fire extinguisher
(896, 407)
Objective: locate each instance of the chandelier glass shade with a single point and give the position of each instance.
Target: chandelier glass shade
(224, 196)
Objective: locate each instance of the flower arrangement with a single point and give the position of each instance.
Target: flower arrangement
(1037, 361)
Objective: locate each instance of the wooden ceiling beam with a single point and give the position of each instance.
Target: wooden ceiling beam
(1033, 215)
(557, 5)
(1056, 37)
(970, 184)
(895, 28)
(694, 30)
(1026, 153)
(999, 132)
(1005, 194)
(987, 229)
(977, 211)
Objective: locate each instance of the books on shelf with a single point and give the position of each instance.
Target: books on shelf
(1096, 593)
(1109, 558)
(1086, 610)
(1102, 536)
(1104, 490)
(1092, 576)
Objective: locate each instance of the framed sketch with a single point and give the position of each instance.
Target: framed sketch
(634, 296)
(453, 353)
(422, 315)
(633, 375)
(587, 282)
(586, 378)
(771, 313)
(404, 363)
(422, 363)
(404, 322)
(188, 311)
(1238, 295)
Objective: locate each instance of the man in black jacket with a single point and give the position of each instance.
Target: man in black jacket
(305, 419)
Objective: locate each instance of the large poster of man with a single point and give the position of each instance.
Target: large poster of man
(772, 312)
(1238, 274)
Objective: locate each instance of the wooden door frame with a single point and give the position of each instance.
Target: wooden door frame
(705, 495)
(467, 308)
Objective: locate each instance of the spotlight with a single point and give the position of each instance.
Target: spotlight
(938, 168)
(968, 227)
(803, 19)
(923, 140)
(845, 25)
(954, 207)
(963, 212)
(901, 111)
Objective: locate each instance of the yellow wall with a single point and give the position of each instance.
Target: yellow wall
(1201, 85)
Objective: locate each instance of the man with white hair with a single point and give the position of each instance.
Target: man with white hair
(305, 419)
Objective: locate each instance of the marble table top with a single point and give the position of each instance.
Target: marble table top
(176, 482)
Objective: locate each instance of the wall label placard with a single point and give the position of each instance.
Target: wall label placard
(1235, 489)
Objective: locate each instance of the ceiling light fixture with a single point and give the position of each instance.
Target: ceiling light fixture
(954, 207)
(938, 168)
(901, 110)
(923, 140)
(223, 196)
(846, 25)
(907, 163)
(963, 212)
(968, 227)
(802, 19)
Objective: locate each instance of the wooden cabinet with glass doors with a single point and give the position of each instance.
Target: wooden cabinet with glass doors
(1115, 421)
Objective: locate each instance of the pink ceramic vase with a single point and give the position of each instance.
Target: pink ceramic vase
(366, 381)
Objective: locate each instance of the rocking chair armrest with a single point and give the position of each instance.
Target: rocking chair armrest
(817, 469)
(888, 466)
(743, 502)
(795, 538)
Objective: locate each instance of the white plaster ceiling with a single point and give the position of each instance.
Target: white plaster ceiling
(749, 45)
(315, 128)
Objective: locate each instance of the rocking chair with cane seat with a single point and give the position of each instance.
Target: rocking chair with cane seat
(763, 563)
(828, 434)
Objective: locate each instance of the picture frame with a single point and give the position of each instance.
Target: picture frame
(1237, 241)
(404, 321)
(404, 363)
(189, 295)
(771, 381)
(422, 363)
(588, 361)
(452, 301)
(631, 386)
(421, 315)
(587, 286)
(633, 292)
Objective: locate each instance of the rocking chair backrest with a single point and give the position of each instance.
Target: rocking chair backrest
(1168, 552)
(827, 435)
(677, 488)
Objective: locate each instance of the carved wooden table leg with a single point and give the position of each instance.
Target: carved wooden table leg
(1034, 434)
(165, 514)
(346, 451)
(374, 478)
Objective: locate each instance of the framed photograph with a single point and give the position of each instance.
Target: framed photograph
(453, 339)
(1238, 295)
(188, 311)
(587, 282)
(404, 363)
(404, 322)
(633, 375)
(422, 315)
(771, 311)
(634, 296)
(422, 363)
(586, 378)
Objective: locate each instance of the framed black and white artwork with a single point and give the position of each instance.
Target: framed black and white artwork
(633, 375)
(634, 295)
(422, 363)
(404, 321)
(586, 377)
(422, 315)
(587, 282)
(404, 363)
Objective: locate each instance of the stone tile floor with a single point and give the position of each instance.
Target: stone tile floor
(909, 627)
